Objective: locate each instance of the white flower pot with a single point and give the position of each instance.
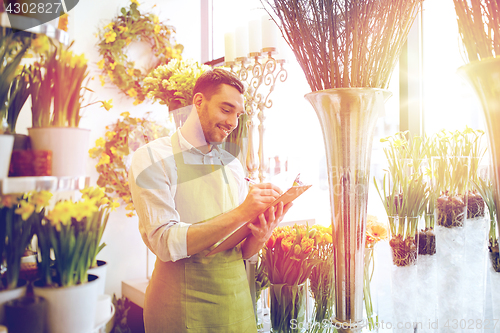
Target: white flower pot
(6, 144)
(8, 295)
(100, 271)
(70, 309)
(69, 146)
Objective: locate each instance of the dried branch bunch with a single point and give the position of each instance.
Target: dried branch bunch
(345, 43)
(479, 27)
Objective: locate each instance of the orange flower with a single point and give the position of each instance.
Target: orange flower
(307, 244)
(286, 244)
(296, 249)
(270, 242)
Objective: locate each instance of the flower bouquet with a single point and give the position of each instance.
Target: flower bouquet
(289, 258)
(113, 150)
(72, 230)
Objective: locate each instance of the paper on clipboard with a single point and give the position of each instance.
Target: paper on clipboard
(242, 232)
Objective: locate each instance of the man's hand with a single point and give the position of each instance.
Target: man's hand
(258, 198)
(264, 227)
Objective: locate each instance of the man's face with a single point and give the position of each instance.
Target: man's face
(219, 115)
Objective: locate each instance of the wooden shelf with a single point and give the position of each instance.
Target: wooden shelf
(12, 185)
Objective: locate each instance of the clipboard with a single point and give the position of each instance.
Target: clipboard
(242, 232)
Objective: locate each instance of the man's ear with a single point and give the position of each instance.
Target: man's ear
(198, 99)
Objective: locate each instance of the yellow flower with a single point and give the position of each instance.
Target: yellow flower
(157, 28)
(128, 40)
(40, 44)
(130, 71)
(112, 66)
(107, 104)
(155, 18)
(130, 206)
(136, 2)
(26, 209)
(110, 74)
(61, 213)
(104, 159)
(137, 101)
(132, 92)
(113, 150)
(122, 29)
(93, 151)
(100, 142)
(296, 249)
(110, 36)
(125, 114)
(101, 77)
(93, 192)
(110, 26)
(85, 208)
(110, 135)
(41, 199)
(113, 205)
(131, 214)
(100, 64)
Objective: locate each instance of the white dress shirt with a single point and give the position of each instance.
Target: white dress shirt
(159, 223)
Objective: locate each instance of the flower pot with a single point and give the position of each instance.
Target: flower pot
(70, 309)
(348, 117)
(100, 271)
(6, 144)
(21, 142)
(287, 309)
(69, 146)
(7, 295)
(26, 314)
(27, 163)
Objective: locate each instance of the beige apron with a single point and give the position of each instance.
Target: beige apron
(200, 294)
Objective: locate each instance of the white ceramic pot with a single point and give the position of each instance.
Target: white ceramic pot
(8, 295)
(6, 144)
(100, 271)
(69, 146)
(70, 309)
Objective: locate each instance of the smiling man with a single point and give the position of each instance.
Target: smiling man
(201, 197)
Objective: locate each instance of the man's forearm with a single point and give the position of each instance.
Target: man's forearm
(250, 246)
(201, 236)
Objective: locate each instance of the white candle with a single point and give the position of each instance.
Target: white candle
(270, 33)
(284, 50)
(230, 49)
(241, 41)
(255, 36)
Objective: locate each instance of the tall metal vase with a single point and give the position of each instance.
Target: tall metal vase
(348, 117)
(484, 76)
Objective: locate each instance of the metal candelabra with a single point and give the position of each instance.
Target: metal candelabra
(260, 71)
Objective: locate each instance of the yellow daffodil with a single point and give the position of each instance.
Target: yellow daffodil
(112, 66)
(110, 74)
(107, 104)
(41, 199)
(104, 159)
(101, 77)
(125, 114)
(110, 36)
(100, 142)
(26, 209)
(130, 206)
(157, 29)
(110, 135)
(100, 64)
(130, 71)
(93, 151)
(61, 213)
(113, 150)
(113, 205)
(110, 26)
(132, 92)
(85, 208)
(122, 29)
(136, 2)
(155, 19)
(131, 214)
(137, 102)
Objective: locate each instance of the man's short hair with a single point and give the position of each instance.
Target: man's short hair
(210, 81)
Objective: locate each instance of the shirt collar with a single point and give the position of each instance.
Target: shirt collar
(185, 145)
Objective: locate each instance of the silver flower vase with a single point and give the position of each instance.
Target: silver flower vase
(348, 117)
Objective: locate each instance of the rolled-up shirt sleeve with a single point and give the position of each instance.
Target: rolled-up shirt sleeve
(152, 182)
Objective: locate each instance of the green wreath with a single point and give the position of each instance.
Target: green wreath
(131, 26)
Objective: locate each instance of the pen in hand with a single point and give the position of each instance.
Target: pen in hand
(250, 181)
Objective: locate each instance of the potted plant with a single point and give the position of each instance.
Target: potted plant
(12, 50)
(115, 148)
(71, 230)
(57, 92)
(18, 215)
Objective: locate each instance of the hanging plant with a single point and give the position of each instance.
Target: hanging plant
(132, 25)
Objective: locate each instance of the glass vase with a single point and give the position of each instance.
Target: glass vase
(287, 309)
(404, 248)
(347, 117)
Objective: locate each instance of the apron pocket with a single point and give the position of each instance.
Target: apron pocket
(217, 295)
